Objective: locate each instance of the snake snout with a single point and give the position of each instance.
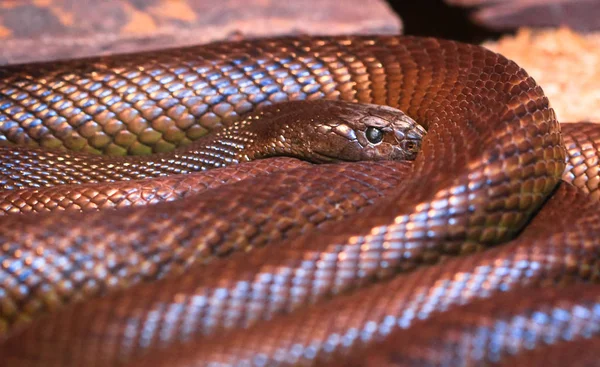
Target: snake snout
(409, 135)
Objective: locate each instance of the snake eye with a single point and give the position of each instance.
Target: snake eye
(374, 135)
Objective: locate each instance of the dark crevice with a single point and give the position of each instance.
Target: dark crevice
(435, 18)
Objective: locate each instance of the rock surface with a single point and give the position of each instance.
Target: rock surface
(581, 15)
(33, 30)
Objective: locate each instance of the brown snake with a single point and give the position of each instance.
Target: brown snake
(321, 276)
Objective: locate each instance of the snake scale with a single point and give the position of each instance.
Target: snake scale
(476, 253)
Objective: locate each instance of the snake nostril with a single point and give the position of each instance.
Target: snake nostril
(410, 146)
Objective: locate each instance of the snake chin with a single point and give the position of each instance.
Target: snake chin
(322, 157)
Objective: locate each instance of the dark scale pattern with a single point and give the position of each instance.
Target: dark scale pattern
(489, 330)
(492, 157)
(94, 196)
(582, 141)
(70, 263)
(579, 352)
(319, 131)
(548, 251)
(246, 289)
(156, 101)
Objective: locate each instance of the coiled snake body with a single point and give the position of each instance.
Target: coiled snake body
(358, 290)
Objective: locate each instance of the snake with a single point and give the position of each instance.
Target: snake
(483, 250)
(322, 131)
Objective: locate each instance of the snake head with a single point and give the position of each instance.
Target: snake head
(357, 132)
(323, 131)
(386, 133)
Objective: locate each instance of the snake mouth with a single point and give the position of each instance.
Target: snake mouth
(326, 158)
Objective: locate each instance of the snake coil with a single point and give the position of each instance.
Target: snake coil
(486, 178)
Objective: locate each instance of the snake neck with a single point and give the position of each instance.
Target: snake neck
(246, 140)
(260, 135)
(231, 145)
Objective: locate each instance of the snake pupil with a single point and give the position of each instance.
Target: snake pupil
(374, 135)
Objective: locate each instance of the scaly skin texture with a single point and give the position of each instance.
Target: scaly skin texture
(487, 173)
(582, 141)
(548, 251)
(136, 244)
(490, 329)
(94, 196)
(319, 131)
(239, 293)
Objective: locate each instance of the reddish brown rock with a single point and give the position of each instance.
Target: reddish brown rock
(32, 30)
(581, 15)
